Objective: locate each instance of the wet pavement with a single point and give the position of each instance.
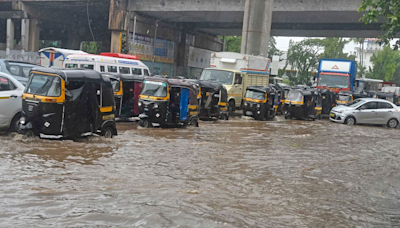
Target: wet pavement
(237, 173)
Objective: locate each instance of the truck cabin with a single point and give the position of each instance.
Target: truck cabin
(225, 77)
(334, 81)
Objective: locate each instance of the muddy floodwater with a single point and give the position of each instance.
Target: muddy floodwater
(238, 173)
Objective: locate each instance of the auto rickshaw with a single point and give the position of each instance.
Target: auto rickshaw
(328, 98)
(213, 100)
(303, 104)
(165, 101)
(345, 97)
(127, 89)
(259, 102)
(67, 103)
(286, 90)
(392, 97)
(280, 92)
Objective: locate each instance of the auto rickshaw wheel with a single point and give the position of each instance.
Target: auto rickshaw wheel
(107, 133)
(144, 123)
(194, 122)
(30, 134)
(225, 117)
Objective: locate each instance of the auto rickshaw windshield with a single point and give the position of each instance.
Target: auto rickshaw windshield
(44, 85)
(115, 85)
(295, 96)
(255, 95)
(344, 98)
(155, 89)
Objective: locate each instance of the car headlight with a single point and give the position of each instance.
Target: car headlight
(155, 105)
(22, 120)
(341, 111)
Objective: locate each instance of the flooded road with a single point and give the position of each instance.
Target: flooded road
(239, 173)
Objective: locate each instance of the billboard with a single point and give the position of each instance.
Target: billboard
(142, 47)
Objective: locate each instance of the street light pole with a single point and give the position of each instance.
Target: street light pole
(154, 47)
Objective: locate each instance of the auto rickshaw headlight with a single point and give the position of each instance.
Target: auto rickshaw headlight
(22, 120)
(258, 105)
(155, 106)
(139, 103)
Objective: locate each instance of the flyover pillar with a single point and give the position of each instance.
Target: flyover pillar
(34, 34)
(10, 35)
(257, 27)
(24, 34)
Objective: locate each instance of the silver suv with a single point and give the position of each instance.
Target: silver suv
(367, 111)
(19, 70)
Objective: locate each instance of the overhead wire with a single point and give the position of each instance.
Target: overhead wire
(90, 27)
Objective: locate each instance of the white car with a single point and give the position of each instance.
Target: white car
(11, 91)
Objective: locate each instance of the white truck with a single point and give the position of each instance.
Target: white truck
(237, 71)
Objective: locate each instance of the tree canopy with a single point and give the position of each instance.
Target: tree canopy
(334, 49)
(385, 63)
(374, 10)
(304, 56)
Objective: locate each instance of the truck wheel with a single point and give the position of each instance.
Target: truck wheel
(232, 108)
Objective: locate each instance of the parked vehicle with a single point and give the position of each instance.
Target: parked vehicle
(236, 72)
(395, 90)
(280, 93)
(108, 63)
(260, 102)
(303, 104)
(286, 90)
(345, 97)
(127, 89)
(166, 101)
(19, 70)
(367, 111)
(51, 56)
(11, 91)
(67, 104)
(213, 100)
(336, 74)
(392, 97)
(328, 101)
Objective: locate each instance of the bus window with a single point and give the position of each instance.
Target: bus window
(112, 69)
(146, 72)
(124, 70)
(87, 66)
(71, 65)
(137, 71)
(102, 69)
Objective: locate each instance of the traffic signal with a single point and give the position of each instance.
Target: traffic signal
(124, 44)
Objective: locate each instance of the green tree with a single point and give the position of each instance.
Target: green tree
(233, 43)
(361, 71)
(91, 47)
(273, 50)
(385, 63)
(333, 49)
(304, 56)
(389, 10)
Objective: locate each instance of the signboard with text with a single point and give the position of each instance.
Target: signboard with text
(142, 47)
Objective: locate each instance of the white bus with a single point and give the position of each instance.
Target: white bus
(108, 63)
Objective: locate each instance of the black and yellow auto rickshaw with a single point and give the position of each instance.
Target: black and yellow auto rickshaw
(304, 104)
(127, 89)
(392, 97)
(165, 101)
(286, 90)
(259, 102)
(67, 103)
(213, 100)
(328, 101)
(345, 97)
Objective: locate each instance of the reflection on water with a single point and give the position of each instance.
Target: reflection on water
(237, 173)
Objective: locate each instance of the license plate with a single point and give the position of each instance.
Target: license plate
(332, 115)
(249, 113)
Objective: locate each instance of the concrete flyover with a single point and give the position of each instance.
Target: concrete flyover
(309, 18)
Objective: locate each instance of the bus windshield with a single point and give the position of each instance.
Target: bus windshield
(224, 77)
(255, 95)
(44, 85)
(155, 89)
(333, 81)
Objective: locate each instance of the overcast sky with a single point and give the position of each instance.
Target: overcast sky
(283, 43)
